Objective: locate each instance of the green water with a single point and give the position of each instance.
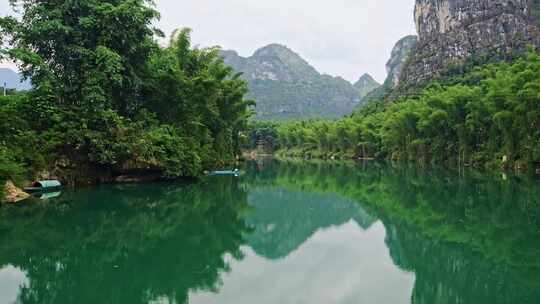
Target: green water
(281, 233)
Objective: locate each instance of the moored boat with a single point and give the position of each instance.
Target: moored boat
(43, 186)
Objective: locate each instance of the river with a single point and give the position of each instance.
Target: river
(283, 232)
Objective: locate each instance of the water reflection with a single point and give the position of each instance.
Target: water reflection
(133, 244)
(49, 195)
(283, 219)
(12, 281)
(468, 239)
(283, 233)
(450, 273)
(330, 267)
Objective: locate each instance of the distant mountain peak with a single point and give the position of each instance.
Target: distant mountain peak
(394, 67)
(286, 86)
(366, 84)
(13, 80)
(274, 49)
(366, 77)
(278, 62)
(278, 51)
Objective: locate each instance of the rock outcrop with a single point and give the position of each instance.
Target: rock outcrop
(454, 31)
(13, 194)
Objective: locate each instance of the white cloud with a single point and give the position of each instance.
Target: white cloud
(337, 265)
(12, 279)
(340, 37)
(4, 8)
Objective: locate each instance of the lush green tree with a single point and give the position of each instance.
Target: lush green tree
(194, 91)
(263, 133)
(108, 100)
(90, 53)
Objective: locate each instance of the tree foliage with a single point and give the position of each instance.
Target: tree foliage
(491, 115)
(107, 98)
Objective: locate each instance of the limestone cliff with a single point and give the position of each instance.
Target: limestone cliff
(400, 54)
(453, 31)
(394, 67)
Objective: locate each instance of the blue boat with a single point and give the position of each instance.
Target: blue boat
(234, 172)
(44, 186)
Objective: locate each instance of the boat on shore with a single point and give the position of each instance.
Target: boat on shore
(44, 186)
(234, 172)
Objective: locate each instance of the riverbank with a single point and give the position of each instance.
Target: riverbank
(316, 154)
(503, 165)
(12, 194)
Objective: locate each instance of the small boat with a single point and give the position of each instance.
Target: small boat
(234, 172)
(44, 186)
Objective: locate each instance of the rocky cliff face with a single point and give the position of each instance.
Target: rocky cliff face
(400, 54)
(452, 31)
(394, 67)
(286, 86)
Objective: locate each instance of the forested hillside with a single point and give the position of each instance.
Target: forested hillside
(286, 87)
(110, 104)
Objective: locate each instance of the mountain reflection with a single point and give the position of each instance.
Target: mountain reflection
(468, 239)
(344, 232)
(283, 219)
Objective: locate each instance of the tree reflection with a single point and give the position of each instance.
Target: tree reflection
(472, 238)
(126, 244)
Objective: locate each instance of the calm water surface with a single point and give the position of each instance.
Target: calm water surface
(282, 233)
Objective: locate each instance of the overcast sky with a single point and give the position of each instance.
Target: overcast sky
(340, 37)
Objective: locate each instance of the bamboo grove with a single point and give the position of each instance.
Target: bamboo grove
(107, 97)
(488, 116)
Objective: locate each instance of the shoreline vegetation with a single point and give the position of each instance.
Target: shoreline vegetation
(488, 117)
(108, 102)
